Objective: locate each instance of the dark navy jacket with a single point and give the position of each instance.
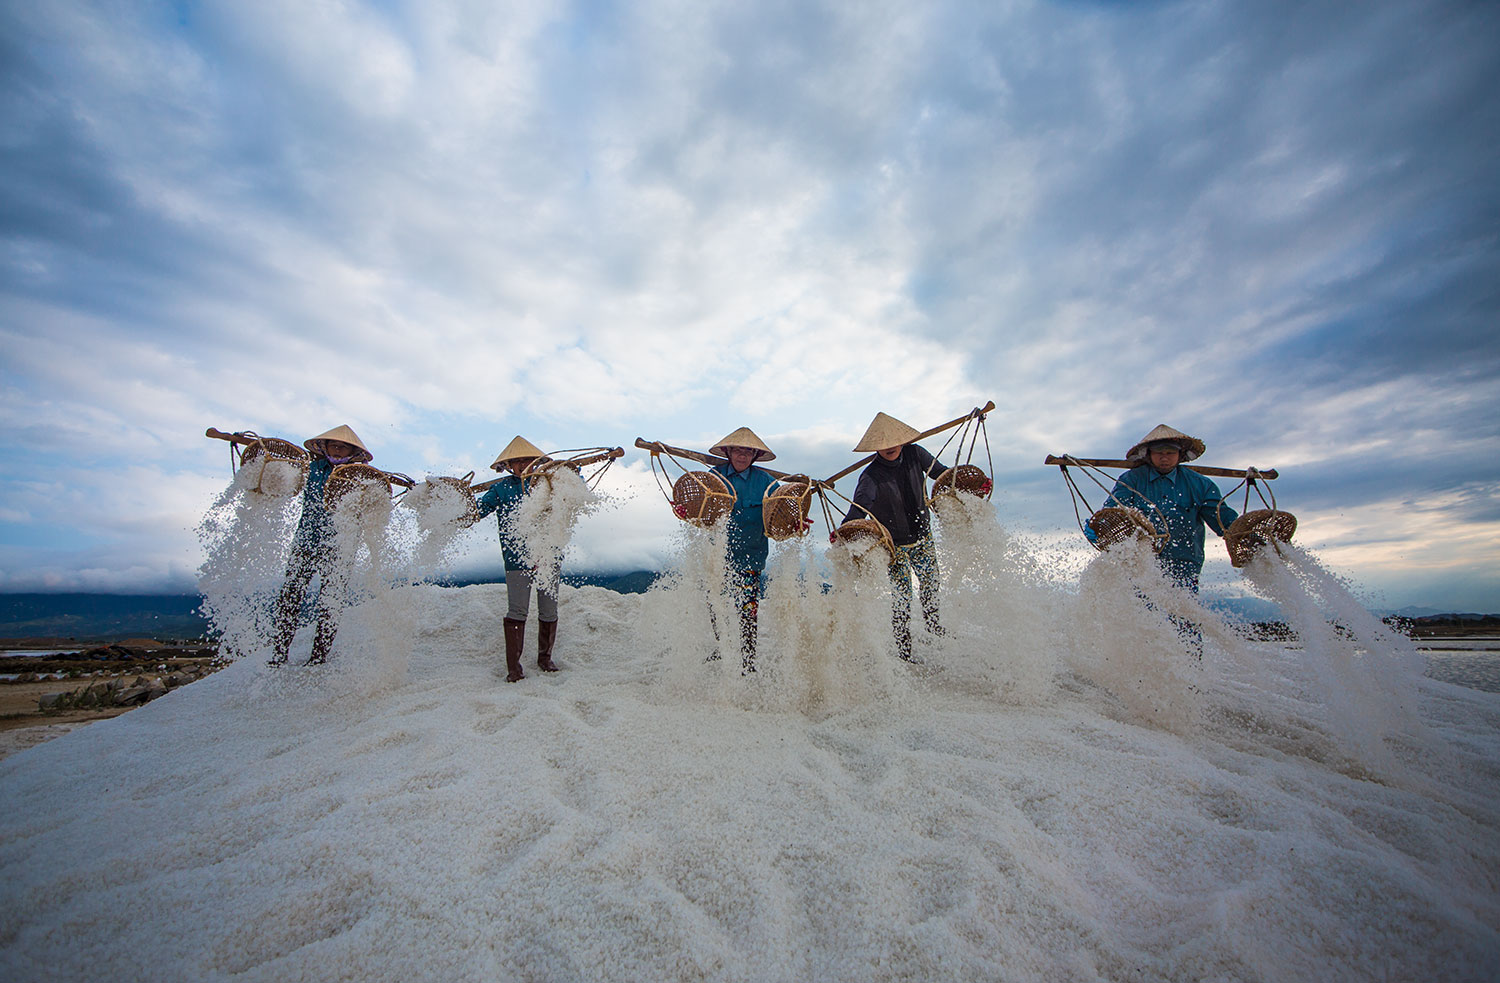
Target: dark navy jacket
(895, 492)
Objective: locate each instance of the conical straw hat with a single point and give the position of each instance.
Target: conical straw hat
(348, 436)
(886, 432)
(1192, 447)
(743, 437)
(519, 447)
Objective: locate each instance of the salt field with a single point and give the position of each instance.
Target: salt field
(1061, 791)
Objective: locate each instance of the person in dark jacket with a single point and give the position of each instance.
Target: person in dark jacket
(502, 497)
(748, 544)
(313, 551)
(893, 490)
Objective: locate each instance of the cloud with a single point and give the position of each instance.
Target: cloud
(1270, 225)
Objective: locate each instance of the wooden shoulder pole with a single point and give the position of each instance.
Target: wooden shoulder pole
(989, 405)
(699, 456)
(1268, 474)
(233, 438)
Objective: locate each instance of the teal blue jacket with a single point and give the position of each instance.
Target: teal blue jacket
(315, 528)
(501, 498)
(1187, 499)
(748, 546)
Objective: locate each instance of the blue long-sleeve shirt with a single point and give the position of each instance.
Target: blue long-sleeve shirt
(501, 498)
(315, 527)
(1187, 500)
(748, 546)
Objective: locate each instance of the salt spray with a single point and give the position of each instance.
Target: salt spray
(990, 578)
(1121, 638)
(1364, 675)
(543, 522)
(245, 536)
(1013, 632)
(442, 513)
(377, 552)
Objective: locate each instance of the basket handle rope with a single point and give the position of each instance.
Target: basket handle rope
(1091, 471)
(1248, 482)
(246, 437)
(978, 411)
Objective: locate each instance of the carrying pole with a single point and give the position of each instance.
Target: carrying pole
(658, 447)
(613, 453)
(235, 438)
(1066, 460)
(921, 436)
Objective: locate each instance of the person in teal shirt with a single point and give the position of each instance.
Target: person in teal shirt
(1181, 498)
(748, 545)
(313, 550)
(501, 499)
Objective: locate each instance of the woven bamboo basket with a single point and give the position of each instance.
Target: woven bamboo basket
(784, 510)
(1247, 534)
(361, 487)
(967, 478)
(422, 493)
(701, 498)
(278, 466)
(859, 529)
(1115, 525)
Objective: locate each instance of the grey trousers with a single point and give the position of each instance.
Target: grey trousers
(518, 593)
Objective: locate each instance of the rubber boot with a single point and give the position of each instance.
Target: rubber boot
(515, 638)
(546, 635)
(749, 629)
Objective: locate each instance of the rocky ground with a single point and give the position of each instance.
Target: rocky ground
(41, 698)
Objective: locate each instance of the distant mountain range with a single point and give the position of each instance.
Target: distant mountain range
(110, 617)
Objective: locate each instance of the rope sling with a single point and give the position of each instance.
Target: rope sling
(1117, 523)
(855, 531)
(1254, 529)
(699, 498)
(249, 449)
(576, 458)
(966, 477)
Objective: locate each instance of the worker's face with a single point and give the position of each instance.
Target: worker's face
(891, 453)
(1164, 457)
(337, 450)
(741, 458)
(519, 465)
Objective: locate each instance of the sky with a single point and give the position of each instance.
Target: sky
(1273, 226)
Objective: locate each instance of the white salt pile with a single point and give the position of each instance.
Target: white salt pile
(1060, 793)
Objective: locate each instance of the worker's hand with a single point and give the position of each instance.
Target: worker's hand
(986, 488)
(833, 539)
(806, 524)
(680, 510)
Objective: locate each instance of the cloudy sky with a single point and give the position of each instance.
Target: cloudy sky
(1272, 225)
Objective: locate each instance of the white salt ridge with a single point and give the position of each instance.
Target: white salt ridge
(1023, 807)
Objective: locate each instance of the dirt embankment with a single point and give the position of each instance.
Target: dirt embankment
(102, 682)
